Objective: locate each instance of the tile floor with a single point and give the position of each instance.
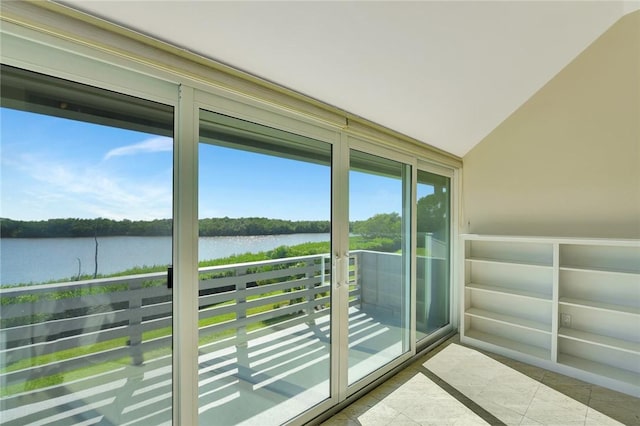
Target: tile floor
(458, 385)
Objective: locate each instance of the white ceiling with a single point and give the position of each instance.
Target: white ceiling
(446, 73)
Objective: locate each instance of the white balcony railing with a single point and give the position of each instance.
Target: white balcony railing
(73, 345)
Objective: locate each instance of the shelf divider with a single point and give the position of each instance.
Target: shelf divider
(509, 262)
(600, 340)
(600, 369)
(591, 304)
(509, 320)
(608, 271)
(509, 291)
(536, 351)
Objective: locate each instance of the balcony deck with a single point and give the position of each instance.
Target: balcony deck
(104, 346)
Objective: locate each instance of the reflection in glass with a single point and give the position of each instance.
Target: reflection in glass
(86, 315)
(379, 251)
(265, 333)
(433, 287)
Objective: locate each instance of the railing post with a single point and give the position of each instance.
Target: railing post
(242, 344)
(324, 258)
(309, 290)
(357, 278)
(135, 321)
(428, 272)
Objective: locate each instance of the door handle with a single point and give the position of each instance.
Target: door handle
(334, 270)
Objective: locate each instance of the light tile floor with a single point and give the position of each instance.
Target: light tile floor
(458, 385)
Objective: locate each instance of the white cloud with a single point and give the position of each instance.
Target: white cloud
(72, 189)
(157, 144)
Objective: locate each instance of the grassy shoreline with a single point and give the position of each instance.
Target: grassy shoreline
(304, 249)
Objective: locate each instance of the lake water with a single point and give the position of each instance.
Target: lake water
(25, 260)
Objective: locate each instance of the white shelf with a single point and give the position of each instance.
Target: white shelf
(600, 369)
(608, 307)
(509, 320)
(608, 271)
(509, 344)
(507, 279)
(597, 339)
(509, 291)
(509, 262)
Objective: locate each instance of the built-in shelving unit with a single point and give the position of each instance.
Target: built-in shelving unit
(570, 305)
(508, 295)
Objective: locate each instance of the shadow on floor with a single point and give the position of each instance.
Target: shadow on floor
(458, 385)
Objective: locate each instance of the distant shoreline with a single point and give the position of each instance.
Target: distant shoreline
(209, 227)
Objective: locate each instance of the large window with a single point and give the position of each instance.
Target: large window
(86, 313)
(295, 292)
(265, 284)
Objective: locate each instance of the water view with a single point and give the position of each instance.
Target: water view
(35, 260)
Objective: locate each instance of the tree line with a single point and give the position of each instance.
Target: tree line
(432, 218)
(212, 227)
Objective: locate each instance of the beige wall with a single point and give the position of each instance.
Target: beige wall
(566, 163)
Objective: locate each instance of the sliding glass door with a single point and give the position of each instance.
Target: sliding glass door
(86, 309)
(379, 263)
(303, 284)
(265, 274)
(433, 286)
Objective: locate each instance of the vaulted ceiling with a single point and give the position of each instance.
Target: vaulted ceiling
(443, 72)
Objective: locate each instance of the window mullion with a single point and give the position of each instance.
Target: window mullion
(185, 319)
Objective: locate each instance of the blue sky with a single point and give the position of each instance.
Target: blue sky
(52, 167)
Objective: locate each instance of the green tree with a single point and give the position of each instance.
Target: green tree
(381, 225)
(433, 211)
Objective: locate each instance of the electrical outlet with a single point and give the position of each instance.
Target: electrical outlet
(565, 320)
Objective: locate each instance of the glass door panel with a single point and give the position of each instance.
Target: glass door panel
(265, 272)
(379, 263)
(86, 312)
(433, 287)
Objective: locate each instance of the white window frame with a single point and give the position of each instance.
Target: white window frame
(40, 51)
